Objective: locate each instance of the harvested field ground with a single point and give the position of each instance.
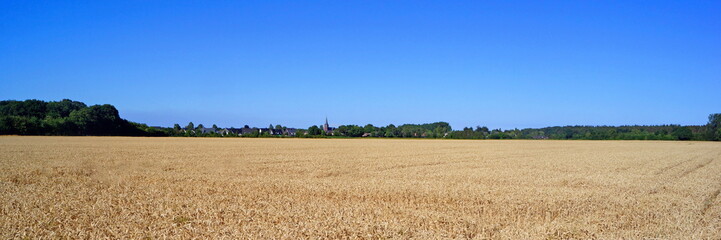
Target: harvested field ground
(115, 187)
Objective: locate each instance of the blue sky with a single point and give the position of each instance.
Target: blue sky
(502, 64)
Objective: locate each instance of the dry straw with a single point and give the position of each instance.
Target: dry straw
(112, 187)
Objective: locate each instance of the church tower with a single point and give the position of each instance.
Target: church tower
(325, 126)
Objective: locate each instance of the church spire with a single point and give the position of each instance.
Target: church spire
(325, 126)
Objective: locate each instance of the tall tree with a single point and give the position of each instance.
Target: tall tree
(314, 130)
(369, 128)
(391, 131)
(713, 128)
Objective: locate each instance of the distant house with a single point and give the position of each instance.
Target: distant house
(244, 131)
(264, 130)
(207, 130)
(271, 131)
(226, 131)
(238, 131)
(290, 131)
(276, 132)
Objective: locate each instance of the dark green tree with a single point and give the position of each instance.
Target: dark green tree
(369, 128)
(315, 131)
(65, 117)
(28, 108)
(354, 131)
(713, 127)
(63, 108)
(683, 133)
(391, 131)
(103, 120)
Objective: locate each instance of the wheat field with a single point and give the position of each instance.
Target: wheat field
(233, 188)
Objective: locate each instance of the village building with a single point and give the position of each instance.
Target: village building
(290, 131)
(244, 131)
(327, 128)
(247, 131)
(207, 130)
(271, 131)
(226, 131)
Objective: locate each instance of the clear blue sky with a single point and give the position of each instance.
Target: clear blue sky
(502, 64)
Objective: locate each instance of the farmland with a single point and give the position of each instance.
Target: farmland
(115, 187)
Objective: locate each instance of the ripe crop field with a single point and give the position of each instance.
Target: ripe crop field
(115, 187)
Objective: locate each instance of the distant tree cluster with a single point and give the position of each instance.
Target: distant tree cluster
(661, 132)
(66, 117)
(191, 130)
(428, 130)
(711, 131)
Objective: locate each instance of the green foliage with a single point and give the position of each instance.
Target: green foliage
(431, 130)
(28, 108)
(662, 132)
(349, 131)
(66, 117)
(469, 133)
(713, 128)
(315, 131)
(391, 131)
(369, 128)
(20, 125)
(683, 133)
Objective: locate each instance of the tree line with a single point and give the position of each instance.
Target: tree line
(428, 130)
(192, 130)
(67, 117)
(659, 132)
